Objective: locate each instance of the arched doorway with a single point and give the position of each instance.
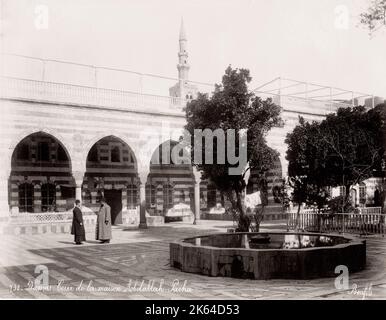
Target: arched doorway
(111, 172)
(40, 175)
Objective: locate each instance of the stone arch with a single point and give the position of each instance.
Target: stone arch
(40, 157)
(110, 167)
(131, 143)
(186, 160)
(170, 177)
(20, 136)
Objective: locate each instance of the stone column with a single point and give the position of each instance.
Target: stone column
(78, 176)
(197, 180)
(142, 198)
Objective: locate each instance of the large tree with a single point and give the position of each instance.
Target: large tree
(374, 17)
(233, 106)
(353, 146)
(381, 110)
(306, 164)
(342, 150)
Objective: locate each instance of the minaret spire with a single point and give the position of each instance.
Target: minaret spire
(183, 66)
(183, 89)
(182, 30)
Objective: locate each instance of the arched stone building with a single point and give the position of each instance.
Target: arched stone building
(61, 141)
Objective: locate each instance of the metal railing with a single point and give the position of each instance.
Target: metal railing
(370, 210)
(315, 93)
(303, 105)
(360, 223)
(52, 92)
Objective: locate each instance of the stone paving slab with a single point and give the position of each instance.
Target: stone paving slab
(141, 257)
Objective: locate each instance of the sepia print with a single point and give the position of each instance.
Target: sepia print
(194, 150)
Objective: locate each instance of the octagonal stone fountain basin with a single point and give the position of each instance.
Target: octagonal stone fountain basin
(273, 255)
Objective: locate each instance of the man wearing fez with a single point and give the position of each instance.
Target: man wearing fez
(77, 224)
(103, 225)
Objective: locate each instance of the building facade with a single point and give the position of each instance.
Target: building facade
(63, 141)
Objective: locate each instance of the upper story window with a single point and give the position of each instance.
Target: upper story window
(116, 154)
(43, 153)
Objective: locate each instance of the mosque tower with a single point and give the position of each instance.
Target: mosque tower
(183, 88)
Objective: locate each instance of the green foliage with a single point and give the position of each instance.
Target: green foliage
(375, 15)
(233, 106)
(353, 145)
(305, 167)
(342, 150)
(339, 204)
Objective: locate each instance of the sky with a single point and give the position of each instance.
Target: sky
(307, 40)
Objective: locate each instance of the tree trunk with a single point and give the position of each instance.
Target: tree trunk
(259, 215)
(244, 221)
(237, 201)
(346, 197)
(297, 218)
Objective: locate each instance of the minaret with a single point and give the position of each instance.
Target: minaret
(183, 89)
(183, 66)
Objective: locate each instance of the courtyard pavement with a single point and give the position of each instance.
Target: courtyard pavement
(135, 257)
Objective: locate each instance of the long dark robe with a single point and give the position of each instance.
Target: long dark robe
(103, 225)
(78, 226)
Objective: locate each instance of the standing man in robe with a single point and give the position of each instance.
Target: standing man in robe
(103, 225)
(77, 224)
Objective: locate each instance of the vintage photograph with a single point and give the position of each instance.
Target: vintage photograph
(196, 150)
